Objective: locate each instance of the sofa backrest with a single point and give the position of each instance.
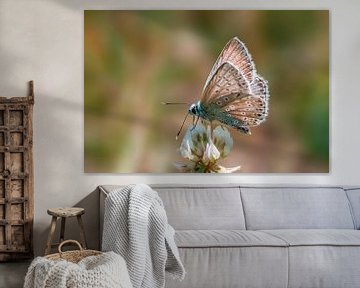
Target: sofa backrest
(212, 207)
(296, 208)
(354, 198)
(202, 208)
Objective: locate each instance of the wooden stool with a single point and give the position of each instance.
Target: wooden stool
(64, 213)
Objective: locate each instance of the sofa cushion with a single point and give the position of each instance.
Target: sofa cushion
(324, 266)
(296, 208)
(354, 198)
(199, 207)
(204, 208)
(226, 238)
(317, 237)
(327, 258)
(220, 267)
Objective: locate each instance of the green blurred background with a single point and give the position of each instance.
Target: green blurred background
(136, 59)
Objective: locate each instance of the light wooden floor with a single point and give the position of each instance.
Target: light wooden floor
(12, 274)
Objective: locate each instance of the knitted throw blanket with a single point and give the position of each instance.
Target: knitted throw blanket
(136, 227)
(102, 271)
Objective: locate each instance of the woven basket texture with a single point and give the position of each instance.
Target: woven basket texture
(72, 256)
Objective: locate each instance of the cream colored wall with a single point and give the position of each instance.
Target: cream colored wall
(43, 41)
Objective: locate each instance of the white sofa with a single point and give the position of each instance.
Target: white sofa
(242, 236)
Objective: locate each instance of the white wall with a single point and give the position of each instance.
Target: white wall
(43, 41)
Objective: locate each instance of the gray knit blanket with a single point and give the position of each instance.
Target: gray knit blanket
(136, 227)
(107, 270)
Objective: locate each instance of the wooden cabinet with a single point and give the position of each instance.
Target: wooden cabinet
(16, 177)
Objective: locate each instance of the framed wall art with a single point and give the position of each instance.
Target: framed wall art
(206, 91)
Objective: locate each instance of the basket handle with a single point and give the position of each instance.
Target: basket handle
(69, 241)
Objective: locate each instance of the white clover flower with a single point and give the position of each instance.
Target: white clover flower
(185, 150)
(204, 147)
(228, 170)
(223, 140)
(211, 153)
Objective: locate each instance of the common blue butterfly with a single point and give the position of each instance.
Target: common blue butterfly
(233, 94)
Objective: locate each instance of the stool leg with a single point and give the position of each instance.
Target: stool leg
(82, 232)
(62, 230)
(51, 235)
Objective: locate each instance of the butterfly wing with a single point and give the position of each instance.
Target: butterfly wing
(247, 111)
(232, 100)
(259, 88)
(252, 109)
(227, 84)
(236, 53)
(234, 94)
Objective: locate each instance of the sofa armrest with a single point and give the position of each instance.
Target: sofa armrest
(102, 197)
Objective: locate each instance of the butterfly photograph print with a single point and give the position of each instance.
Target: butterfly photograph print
(136, 61)
(234, 94)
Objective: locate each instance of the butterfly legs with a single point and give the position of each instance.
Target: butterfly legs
(195, 121)
(211, 129)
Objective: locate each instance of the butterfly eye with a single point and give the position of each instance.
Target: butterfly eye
(227, 109)
(226, 99)
(236, 122)
(218, 102)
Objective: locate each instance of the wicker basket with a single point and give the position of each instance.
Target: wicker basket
(72, 256)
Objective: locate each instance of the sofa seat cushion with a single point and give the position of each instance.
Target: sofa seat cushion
(317, 237)
(323, 258)
(231, 258)
(226, 238)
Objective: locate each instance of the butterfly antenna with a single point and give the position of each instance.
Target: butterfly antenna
(174, 103)
(182, 125)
